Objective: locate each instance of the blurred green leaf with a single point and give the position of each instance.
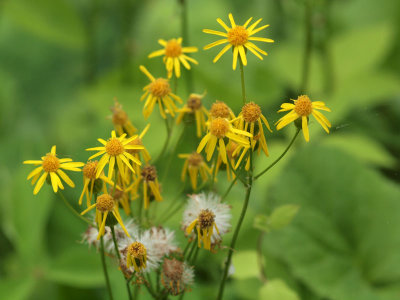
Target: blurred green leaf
(77, 266)
(53, 20)
(277, 290)
(345, 241)
(16, 289)
(279, 218)
(245, 264)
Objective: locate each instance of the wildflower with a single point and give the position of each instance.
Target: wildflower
(303, 107)
(194, 165)
(174, 55)
(239, 37)
(121, 121)
(150, 181)
(158, 91)
(51, 166)
(206, 212)
(105, 204)
(163, 240)
(232, 150)
(176, 275)
(218, 129)
(195, 107)
(220, 110)
(135, 152)
(115, 150)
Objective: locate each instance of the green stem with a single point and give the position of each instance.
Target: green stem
(229, 188)
(72, 209)
(185, 37)
(234, 171)
(242, 80)
(280, 157)
(307, 46)
(103, 262)
(172, 155)
(169, 132)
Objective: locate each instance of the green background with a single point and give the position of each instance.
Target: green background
(61, 64)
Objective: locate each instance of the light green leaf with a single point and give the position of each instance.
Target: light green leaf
(16, 289)
(277, 290)
(245, 264)
(282, 216)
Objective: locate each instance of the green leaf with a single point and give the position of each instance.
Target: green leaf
(279, 218)
(345, 240)
(77, 266)
(245, 264)
(16, 288)
(277, 290)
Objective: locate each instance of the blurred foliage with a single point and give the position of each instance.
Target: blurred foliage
(62, 63)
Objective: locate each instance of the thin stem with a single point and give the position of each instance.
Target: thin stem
(307, 46)
(229, 188)
(172, 154)
(185, 36)
(234, 172)
(280, 157)
(103, 263)
(169, 132)
(72, 209)
(213, 171)
(242, 80)
(260, 258)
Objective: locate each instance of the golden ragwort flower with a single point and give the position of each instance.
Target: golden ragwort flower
(194, 165)
(120, 120)
(51, 166)
(204, 223)
(302, 108)
(239, 37)
(158, 91)
(136, 256)
(194, 106)
(174, 55)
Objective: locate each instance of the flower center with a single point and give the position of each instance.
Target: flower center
(303, 106)
(89, 170)
(194, 102)
(206, 218)
(160, 87)
(173, 48)
(105, 203)
(219, 110)
(173, 269)
(135, 142)
(238, 36)
(50, 163)
(219, 127)
(251, 112)
(149, 173)
(195, 159)
(114, 147)
(137, 250)
(119, 117)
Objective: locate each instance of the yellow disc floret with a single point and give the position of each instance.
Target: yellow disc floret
(50, 163)
(160, 87)
(238, 36)
(105, 203)
(219, 110)
(114, 147)
(251, 112)
(303, 106)
(173, 48)
(219, 127)
(89, 170)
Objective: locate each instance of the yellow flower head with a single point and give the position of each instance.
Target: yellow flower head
(194, 106)
(136, 152)
(136, 256)
(120, 120)
(220, 110)
(194, 165)
(239, 37)
(105, 204)
(150, 181)
(232, 150)
(302, 108)
(218, 129)
(115, 150)
(204, 224)
(174, 55)
(158, 91)
(51, 166)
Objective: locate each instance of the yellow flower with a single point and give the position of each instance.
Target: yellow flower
(218, 129)
(158, 91)
(174, 55)
(232, 150)
(251, 120)
(194, 165)
(51, 165)
(194, 106)
(105, 204)
(302, 108)
(239, 37)
(136, 256)
(120, 120)
(204, 223)
(115, 150)
(151, 185)
(136, 152)
(220, 110)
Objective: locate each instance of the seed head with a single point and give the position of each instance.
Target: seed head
(173, 269)
(160, 87)
(50, 163)
(219, 127)
(195, 159)
(114, 147)
(219, 110)
(149, 173)
(251, 112)
(303, 106)
(105, 203)
(194, 102)
(206, 218)
(238, 36)
(89, 170)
